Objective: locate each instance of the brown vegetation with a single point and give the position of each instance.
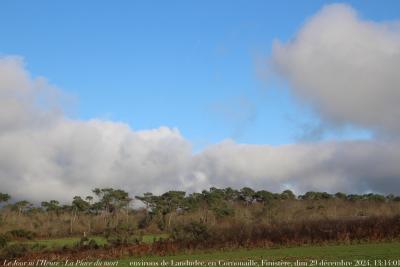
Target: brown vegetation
(195, 236)
(218, 218)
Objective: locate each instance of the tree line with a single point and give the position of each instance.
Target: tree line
(109, 209)
(111, 200)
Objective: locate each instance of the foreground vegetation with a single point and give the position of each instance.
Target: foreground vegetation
(382, 254)
(108, 227)
(74, 241)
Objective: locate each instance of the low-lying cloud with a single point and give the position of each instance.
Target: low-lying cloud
(46, 155)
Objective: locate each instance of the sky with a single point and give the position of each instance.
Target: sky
(160, 95)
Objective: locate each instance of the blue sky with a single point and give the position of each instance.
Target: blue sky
(193, 65)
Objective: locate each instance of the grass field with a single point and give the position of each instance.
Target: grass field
(358, 255)
(351, 255)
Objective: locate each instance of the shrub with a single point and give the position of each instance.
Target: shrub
(86, 243)
(14, 251)
(117, 240)
(38, 247)
(122, 236)
(144, 222)
(225, 211)
(192, 232)
(21, 234)
(84, 240)
(3, 241)
(308, 232)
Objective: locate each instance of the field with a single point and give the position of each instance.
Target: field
(356, 255)
(365, 254)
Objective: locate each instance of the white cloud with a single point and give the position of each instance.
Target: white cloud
(351, 166)
(44, 154)
(346, 67)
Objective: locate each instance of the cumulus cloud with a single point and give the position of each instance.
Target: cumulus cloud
(344, 66)
(44, 154)
(347, 68)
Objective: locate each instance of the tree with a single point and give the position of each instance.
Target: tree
(264, 196)
(194, 201)
(51, 206)
(111, 201)
(287, 194)
(374, 197)
(354, 197)
(215, 197)
(22, 206)
(78, 205)
(231, 195)
(340, 195)
(4, 197)
(311, 195)
(246, 195)
(89, 199)
(170, 202)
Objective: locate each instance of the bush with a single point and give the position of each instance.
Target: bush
(193, 232)
(281, 234)
(21, 234)
(3, 241)
(38, 247)
(224, 211)
(117, 240)
(144, 222)
(86, 243)
(14, 251)
(122, 236)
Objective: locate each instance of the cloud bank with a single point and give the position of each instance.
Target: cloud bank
(345, 67)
